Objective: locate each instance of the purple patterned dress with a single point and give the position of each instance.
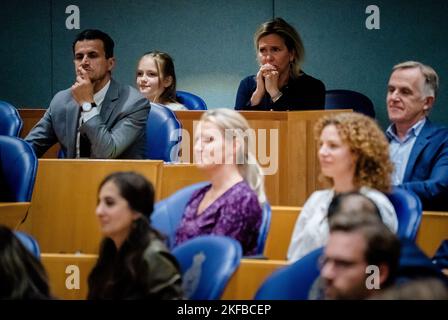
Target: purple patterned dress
(236, 213)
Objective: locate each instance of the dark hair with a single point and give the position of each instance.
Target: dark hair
(165, 68)
(135, 189)
(383, 247)
(353, 203)
(94, 34)
(22, 276)
(418, 289)
(119, 270)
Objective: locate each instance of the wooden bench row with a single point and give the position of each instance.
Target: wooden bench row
(68, 275)
(284, 145)
(61, 215)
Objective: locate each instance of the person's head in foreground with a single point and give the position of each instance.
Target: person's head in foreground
(362, 254)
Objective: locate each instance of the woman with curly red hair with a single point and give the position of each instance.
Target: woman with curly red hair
(354, 156)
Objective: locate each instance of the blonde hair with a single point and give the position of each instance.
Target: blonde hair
(291, 38)
(248, 166)
(368, 142)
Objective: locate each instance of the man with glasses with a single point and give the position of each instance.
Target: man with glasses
(362, 254)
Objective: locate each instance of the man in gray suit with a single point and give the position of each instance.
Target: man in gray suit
(97, 117)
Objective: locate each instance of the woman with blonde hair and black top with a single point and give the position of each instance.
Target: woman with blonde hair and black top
(280, 83)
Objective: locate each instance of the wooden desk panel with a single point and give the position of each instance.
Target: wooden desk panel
(433, 230)
(62, 214)
(177, 176)
(283, 220)
(30, 117)
(13, 213)
(63, 268)
(294, 150)
(248, 278)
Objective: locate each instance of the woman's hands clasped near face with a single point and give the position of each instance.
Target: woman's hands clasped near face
(274, 58)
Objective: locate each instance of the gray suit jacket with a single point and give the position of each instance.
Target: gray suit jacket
(117, 132)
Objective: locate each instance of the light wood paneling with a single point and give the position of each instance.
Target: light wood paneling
(13, 213)
(283, 220)
(62, 214)
(249, 277)
(30, 117)
(61, 268)
(433, 230)
(290, 158)
(177, 176)
(292, 152)
(64, 271)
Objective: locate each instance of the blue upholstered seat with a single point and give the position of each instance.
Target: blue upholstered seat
(348, 99)
(29, 242)
(10, 121)
(163, 134)
(207, 263)
(292, 282)
(190, 100)
(409, 212)
(18, 168)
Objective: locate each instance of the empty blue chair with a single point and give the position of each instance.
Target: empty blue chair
(18, 168)
(348, 99)
(10, 121)
(191, 101)
(409, 212)
(292, 282)
(207, 263)
(163, 134)
(168, 214)
(28, 242)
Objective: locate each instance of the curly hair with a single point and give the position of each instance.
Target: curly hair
(368, 142)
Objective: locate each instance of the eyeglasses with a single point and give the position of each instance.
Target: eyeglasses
(338, 264)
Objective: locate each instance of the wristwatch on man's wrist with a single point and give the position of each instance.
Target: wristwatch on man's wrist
(87, 106)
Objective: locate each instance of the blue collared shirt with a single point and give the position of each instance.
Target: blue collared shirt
(400, 149)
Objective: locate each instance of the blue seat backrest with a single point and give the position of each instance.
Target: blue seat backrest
(348, 99)
(28, 242)
(18, 168)
(191, 101)
(10, 121)
(264, 228)
(408, 207)
(207, 263)
(163, 134)
(292, 282)
(168, 212)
